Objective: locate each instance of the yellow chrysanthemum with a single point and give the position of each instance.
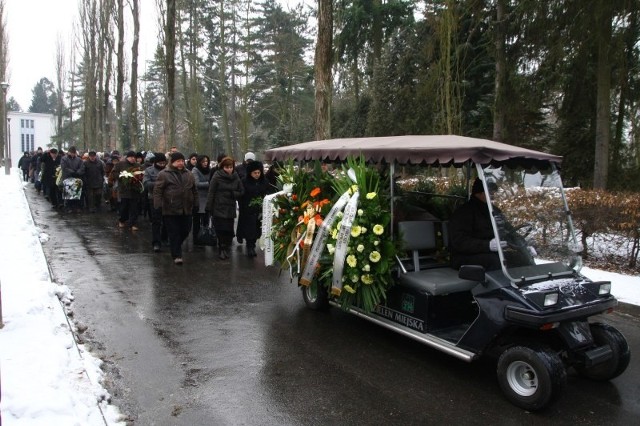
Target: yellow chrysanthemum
(355, 231)
(366, 268)
(355, 278)
(360, 212)
(331, 248)
(348, 289)
(352, 261)
(378, 229)
(371, 195)
(374, 257)
(367, 279)
(360, 248)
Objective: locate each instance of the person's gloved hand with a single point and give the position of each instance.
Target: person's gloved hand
(493, 244)
(532, 251)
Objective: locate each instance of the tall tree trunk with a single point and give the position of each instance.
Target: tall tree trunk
(223, 86)
(61, 80)
(170, 59)
(119, 71)
(133, 87)
(323, 63)
(501, 73)
(4, 43)
(603, 102)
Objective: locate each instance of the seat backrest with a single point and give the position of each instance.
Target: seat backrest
(417, 235)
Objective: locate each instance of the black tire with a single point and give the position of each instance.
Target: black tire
(531, 377)
(315, 297)
(604, 334)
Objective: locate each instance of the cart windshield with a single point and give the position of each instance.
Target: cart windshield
(530, 213)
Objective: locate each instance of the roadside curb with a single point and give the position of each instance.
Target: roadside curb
(629, 309)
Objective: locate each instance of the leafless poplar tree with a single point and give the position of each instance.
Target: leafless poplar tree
(133, 124)
(61, 82)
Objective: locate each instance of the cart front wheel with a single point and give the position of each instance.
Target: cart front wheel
(531, 377)
(604, 334)
(315, 297)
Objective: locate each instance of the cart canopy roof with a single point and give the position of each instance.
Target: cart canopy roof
(446, 150)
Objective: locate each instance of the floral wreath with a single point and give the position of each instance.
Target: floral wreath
(344, 244)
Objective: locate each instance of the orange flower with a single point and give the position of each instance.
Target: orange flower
(294, 197)
(318, 220)
(306, 220)
(305, 204)
(315, 192)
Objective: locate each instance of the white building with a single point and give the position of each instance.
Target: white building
(28, 131)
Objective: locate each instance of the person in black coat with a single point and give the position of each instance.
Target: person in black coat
(94, 181)
(255, 188)
(50, 162)
(23, 164)
(224, 190)
(472, 240)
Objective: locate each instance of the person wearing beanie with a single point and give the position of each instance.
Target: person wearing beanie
(255, 187)
(224, 191)
(128, 190)
(159, 162)
(176, 194)
(472, 241)
(242, 168)
(94, 181)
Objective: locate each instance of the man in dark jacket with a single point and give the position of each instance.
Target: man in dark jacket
(149, 181)
(72, 167)
(472, 237)
(129, 190)
(50, 162)
(94, 181)
(34, 169)
(23, 164)
(176, 194)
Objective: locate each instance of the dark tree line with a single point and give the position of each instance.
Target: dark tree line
(237, 75)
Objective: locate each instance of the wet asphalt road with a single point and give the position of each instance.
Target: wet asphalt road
(231, 343)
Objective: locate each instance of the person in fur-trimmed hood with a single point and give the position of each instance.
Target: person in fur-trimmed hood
(255, 188)
(225, 189)
(176, 194)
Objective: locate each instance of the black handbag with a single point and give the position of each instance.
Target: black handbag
(207, 236)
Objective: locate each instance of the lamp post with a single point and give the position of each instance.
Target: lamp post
(7, 148)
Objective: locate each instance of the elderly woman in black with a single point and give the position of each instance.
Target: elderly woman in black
(250, 205)
(225, 189)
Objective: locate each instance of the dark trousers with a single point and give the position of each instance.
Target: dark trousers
(178, 228)
(54, 195)
(158, 231)
(129, 210)
(200, 220)
(94, 197)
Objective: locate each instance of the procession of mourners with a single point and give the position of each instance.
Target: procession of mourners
(167, 195)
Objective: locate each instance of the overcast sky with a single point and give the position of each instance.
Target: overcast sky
(33, 28)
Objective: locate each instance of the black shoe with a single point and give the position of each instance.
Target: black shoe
(251, 252)
(156, 248)
(223, 254)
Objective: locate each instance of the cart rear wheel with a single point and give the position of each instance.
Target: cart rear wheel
(604, 334)
(315, 297)
(531, 377)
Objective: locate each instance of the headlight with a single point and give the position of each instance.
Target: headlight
(604, 289)
(550, 299)
(601, 288)
(544, 299)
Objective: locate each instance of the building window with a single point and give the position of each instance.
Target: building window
(22, 124)
(32, 124)
(33, 137)
(22, 142)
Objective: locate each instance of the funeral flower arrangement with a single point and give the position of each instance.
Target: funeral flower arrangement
(341, 241)
(132, 179)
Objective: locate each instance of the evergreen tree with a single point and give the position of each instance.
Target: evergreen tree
(43, 98)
